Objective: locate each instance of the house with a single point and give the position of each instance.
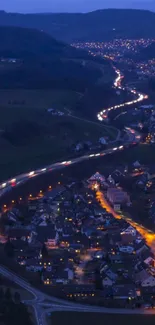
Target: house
(145, 278)
(54, 192)
(111, 180)
(46, 263)
(12, 217)
(67, 230)
(33, 265)
(126, 249)
(102, 141)
(75, 241)
(124, 291)
(47, 235)
(116, 175)
(20, 245)
(129, 231)
(117, 196)
(79, 146)
(38, 264)
(147, 292)
(50, 110)
(24, 253)
(79, 291)
(111, 275)
(87, 144)
(97, 177)
(61, 277)
(47, 278)
(115, 258)
(136, 164)
(140, 246)
(77, 248)
(107, 282)
(150, 261)
(149, 282)
(70, 273)
(127, 239)
(20, 233)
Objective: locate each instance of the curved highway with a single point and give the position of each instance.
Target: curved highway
(133, 138)
(139, 97)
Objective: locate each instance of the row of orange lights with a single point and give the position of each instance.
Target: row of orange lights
(30, 196)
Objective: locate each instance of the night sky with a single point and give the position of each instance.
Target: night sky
(72, 5)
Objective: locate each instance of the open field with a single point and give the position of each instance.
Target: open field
(144, 153)
(77, 318)
(31, 137)
(39, 99)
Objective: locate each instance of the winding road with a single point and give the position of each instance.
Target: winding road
(139, 97)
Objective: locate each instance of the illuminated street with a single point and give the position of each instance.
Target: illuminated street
(103, 115)
(147, 234)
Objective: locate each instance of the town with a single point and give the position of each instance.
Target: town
(123, 51)
(77, 241)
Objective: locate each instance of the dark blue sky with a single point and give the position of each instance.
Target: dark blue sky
(72, 5)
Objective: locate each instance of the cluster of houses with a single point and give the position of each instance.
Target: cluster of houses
(55, 112)
(76, 245)
(88, 145)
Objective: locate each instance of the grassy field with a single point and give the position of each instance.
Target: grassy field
(56, 134)
(39, 99)
(6, 283)
(77, 318)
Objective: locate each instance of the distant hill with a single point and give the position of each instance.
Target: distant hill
(43, 62)
(27, 43)
(94, 26)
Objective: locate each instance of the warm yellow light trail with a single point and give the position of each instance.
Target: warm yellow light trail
(147, 234)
